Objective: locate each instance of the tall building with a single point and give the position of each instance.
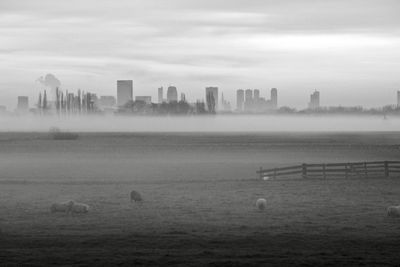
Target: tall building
(248, 96)
(124, 91)
(23, 104)
(314, 100)
(239, 99)
(274, 98)
(172, 94)
(398, 99)
(214, 92)
(160, 94)
(256, 94)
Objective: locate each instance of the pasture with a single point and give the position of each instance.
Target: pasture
(199, 196)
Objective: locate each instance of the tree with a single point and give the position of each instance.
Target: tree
(45, 101)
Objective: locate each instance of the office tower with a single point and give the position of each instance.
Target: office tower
(107, 101)
(239, 99)
(146, 99)
(274, 98)
(160, 94)
(23, 104)
(314, 100)
(172, 94)
(124, 91)
(256, 94)
(248, 96)
(398, 99)
(214, 92)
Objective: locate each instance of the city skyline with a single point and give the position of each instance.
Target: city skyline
(338, 47)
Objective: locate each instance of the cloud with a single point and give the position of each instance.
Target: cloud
(50, 81)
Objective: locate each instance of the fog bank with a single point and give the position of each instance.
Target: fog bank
(200, 124)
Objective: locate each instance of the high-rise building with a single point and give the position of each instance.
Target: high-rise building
(214, 92)
(256, 94)
(160, 94)
(172, 94)
(146, 99)
(248, 96)
(274, 98)
(314, 100)
(23, 104)
(124, 91)
(239, 99)
(398, 99)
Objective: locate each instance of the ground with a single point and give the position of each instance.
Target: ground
(199, 201)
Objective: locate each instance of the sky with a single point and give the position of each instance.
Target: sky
(349, 50)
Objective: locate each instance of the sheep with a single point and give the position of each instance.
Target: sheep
(135, 196)
(393, 211)
(261, 204)
(62, 207)
(79, 208)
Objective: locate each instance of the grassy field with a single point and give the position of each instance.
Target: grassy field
(199, 193)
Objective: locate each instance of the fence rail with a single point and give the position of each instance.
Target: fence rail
(330, 170)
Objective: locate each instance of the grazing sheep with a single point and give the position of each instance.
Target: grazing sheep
(393, 211)
(135, 196)
(79, 208)
(62, 207)
(261, 204)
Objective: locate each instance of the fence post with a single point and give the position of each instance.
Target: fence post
(304, 170)
(386, 168)
(323, 170)
(261, 173)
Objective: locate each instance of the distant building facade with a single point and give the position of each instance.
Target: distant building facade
(23, 104)
(398, 99)
(240, 99)
(314, 100)
(172, 94)
(146, 99)
(274, 98)
(214, 92)
(124, 91)
(160, 95)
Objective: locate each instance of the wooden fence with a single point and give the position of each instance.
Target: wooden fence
(335, 170)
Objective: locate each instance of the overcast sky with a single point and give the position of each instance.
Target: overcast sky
(347, 49)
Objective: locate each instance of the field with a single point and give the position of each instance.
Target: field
(199, 192)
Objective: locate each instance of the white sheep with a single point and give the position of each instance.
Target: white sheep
(135, 196)
(261, 204)
(62, 207)
(393, 211)
(79, 208)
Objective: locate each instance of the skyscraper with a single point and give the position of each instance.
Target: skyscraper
(314, 100)
(124, 91)
(172, 94)
(214, 92)
(248, 96)
(160, 94)
(23, 104)
(239, 99)
(256, 94)
(274, 98)
(398, 99)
